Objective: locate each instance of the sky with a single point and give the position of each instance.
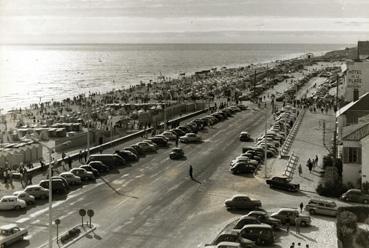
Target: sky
(183, 21)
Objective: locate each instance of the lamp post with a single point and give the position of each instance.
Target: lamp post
(51, 162)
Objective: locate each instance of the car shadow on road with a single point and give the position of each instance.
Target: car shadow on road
(13, 213)
(22, 243)
(247, 175)
(299, 193)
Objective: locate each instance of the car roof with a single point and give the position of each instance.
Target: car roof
(257, 212)
(239, 195)
(66, 173)
(32, 186)
(8, 226)
(8, 196)
(228, 243)
(287, 209)
(257, 226)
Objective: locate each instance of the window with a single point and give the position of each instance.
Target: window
(352, 155)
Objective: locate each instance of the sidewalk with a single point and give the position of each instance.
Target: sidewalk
(308, 143)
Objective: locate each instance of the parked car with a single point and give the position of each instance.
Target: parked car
(10, 234)
(152, 143)
(159, 141)
(355, 195)
(100, 166)
(58, 186)
(29, 199)
(190, 138)
(242, 202)
(283, 183)
(246, 220)
(65, 182)
(320, 206)
(146, 147)
(90, 169)
(10, 202)
(232, 237)
(137, 148)
(83, 174)
(263, 217)
(242, 167)
(261, 234)
(169, 135)
(290, 213)
(108, 159)
(127, 155)
(178, 131)
(37, 191)
(245, 137)
(71, 178)
(176, 153)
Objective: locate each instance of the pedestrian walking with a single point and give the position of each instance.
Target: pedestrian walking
(85, 155)
(301, 206)
(310, 167)
(316, 160)
(80, 156)
(190, 172)
(300, 170)
(70, 163)
(42, 165)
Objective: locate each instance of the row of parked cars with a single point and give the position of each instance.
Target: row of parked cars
(258, 227)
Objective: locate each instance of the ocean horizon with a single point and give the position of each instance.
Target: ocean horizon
(38, 73)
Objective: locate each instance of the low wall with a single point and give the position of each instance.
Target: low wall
(121, 140)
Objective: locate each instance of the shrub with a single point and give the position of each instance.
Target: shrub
(362, 238)
(70, 235)
(346, 226)
(331, 189)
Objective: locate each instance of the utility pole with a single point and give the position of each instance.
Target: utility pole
(254, 90)
(335, 123)
(265, 145)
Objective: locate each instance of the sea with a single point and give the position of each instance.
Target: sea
(39, 73)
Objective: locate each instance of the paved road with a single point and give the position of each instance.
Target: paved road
(154, 203)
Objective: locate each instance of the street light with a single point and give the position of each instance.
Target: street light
(51, 161)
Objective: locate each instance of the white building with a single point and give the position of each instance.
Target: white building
(355, 154)
(356, 80)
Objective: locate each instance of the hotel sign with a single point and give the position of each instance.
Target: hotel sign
(357, 74)
(354, 78)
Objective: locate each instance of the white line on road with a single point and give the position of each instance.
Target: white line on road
(22, 220)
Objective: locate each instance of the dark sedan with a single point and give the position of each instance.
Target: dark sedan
(176, 153)
(100, 166)
(242, 167)
(160, 141)
(127, 155)
(283, 183)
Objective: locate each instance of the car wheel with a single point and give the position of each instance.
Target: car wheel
(365, 201)
(17, 207)
(312, 211)
(346, 199)
(303, 223)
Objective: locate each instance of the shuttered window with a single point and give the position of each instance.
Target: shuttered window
(352, 155)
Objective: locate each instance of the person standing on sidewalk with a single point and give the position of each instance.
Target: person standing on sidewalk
(316, 160)
(301, 206)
